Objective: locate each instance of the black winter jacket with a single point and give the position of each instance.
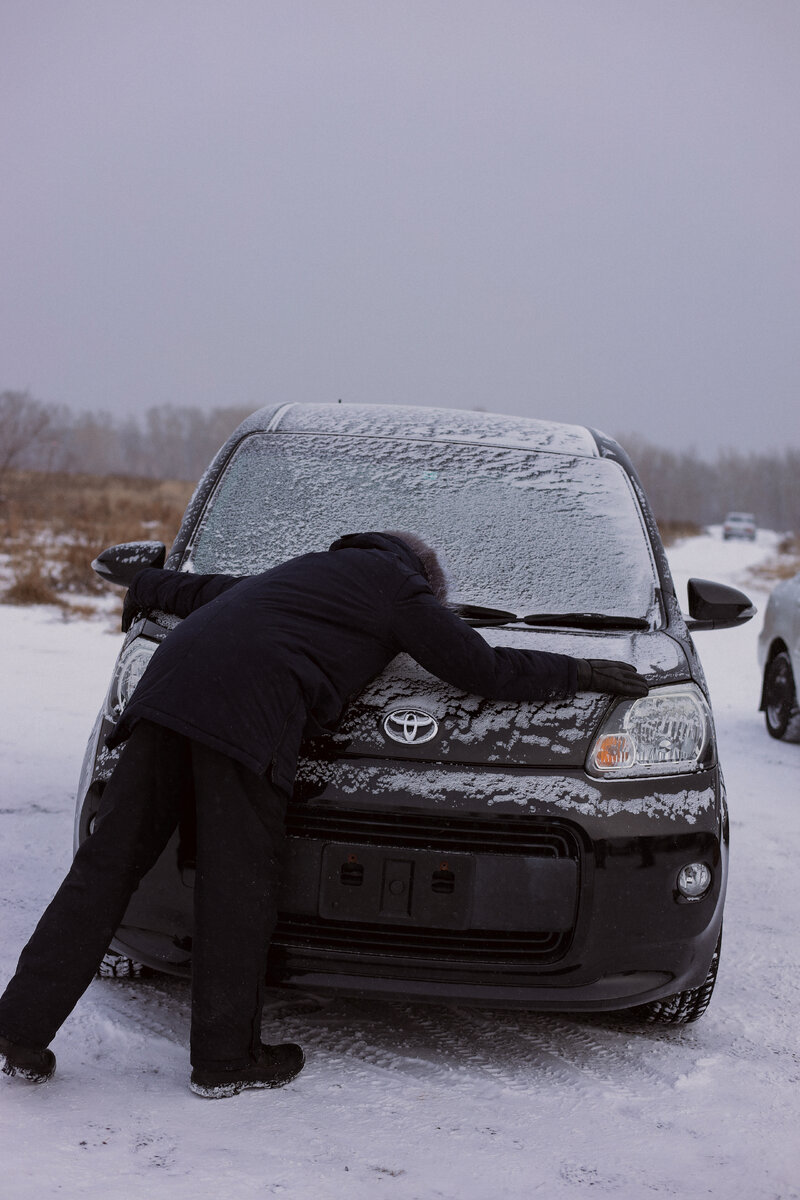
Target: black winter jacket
(261, 659)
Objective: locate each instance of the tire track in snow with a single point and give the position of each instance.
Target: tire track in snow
(133, 1011)
(491, 1050)
(521, 1051)
(425, 1043)
(352, 1035)
(517, 1053)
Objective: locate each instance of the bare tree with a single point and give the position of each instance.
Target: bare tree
(24, 427)
(171, 442)
(683, 487)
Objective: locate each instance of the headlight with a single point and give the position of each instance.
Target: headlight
(665, 733)
(127, 673)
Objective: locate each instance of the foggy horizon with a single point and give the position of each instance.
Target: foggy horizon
(581, 212)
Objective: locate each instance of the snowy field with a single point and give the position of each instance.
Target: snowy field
(411, 1102)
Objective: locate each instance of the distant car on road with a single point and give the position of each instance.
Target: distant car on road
(559, 854)
(779, 658)
(739, 525)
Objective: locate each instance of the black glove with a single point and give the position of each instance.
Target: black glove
(130, 609)
(607, 675)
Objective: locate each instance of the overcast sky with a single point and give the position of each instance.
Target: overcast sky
(587, 210)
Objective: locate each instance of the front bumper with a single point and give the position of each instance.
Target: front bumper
(532, 888)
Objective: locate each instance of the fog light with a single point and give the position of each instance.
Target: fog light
(694, 880)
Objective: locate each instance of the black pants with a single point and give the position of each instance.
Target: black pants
(240, 825)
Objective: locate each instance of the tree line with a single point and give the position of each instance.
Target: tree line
(174, 442)
(683, 487)
(170, 442)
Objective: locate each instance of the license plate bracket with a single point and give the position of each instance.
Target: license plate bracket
(396, 885)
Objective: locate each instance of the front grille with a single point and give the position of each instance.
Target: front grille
(305, 936)
(435, 831)
(299, 934)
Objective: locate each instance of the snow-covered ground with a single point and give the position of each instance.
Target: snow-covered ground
(398, 1100)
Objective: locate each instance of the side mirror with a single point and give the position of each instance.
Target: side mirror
(119, 564)
(717, 606)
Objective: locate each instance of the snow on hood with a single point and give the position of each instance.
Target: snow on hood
(501, 794)
(496, 732)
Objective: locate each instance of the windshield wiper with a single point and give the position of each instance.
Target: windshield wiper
(586, 621)
(476, 614)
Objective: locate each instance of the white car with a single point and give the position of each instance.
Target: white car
(739, 525)
(779, 658)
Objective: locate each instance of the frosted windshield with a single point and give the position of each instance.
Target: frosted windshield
(521, 530)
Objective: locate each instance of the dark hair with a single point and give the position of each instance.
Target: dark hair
(431, 567)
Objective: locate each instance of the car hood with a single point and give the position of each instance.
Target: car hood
(470, 729)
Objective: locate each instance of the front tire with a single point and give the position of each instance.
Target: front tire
(683, 1007)
(781, 711)
(119, 966)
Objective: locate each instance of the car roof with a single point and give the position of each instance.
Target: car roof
(424, 424)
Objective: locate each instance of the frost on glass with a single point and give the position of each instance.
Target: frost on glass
(520, 530)
(441, 424)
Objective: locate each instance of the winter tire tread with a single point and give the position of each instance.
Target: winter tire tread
(119, 966)
(781, 710)
(684, 1007)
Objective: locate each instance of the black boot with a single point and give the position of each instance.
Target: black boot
(31, 1063)
(275, 1066)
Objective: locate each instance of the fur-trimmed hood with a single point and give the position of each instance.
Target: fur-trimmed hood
(410, 547)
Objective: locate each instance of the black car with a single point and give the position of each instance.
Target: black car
(567, 855)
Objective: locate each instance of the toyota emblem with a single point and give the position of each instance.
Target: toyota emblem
(410, 726)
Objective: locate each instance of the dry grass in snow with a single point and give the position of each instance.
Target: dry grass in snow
(53, 524)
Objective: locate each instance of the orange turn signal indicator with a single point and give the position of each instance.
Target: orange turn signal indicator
(615, 750)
